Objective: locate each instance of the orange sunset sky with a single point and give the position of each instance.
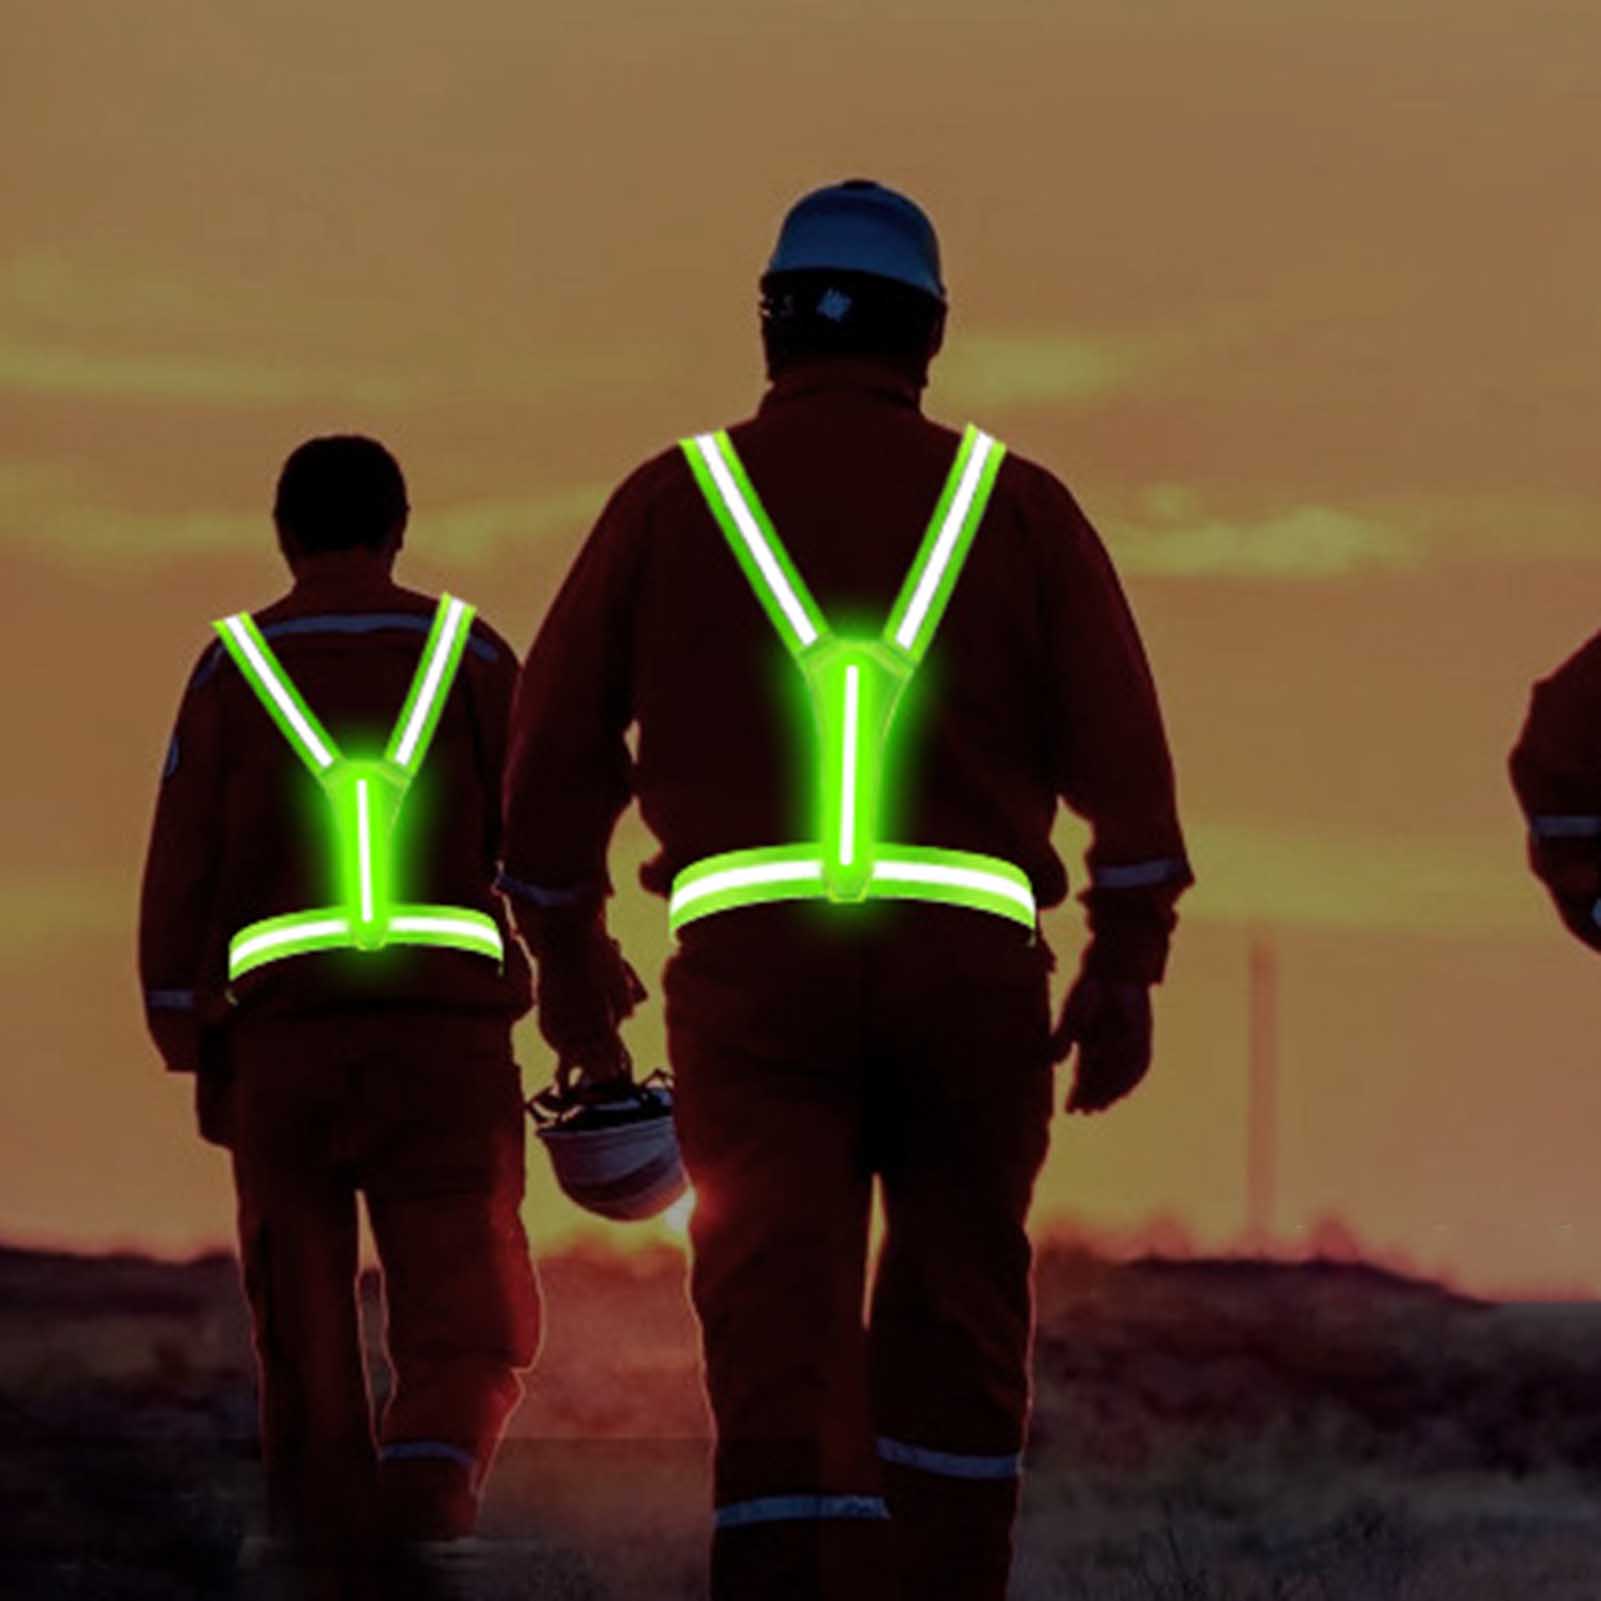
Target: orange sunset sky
(1299, 298)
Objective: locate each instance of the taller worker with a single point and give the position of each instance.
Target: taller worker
(321, 944)
(867, 654)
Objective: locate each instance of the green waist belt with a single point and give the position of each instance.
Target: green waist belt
(898, 872)
(271, 939)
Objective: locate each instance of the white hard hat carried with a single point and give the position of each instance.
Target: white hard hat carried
(613, 1145)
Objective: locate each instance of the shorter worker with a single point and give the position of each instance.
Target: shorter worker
(320, 944)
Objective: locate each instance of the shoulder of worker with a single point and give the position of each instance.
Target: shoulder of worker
(1040, 493)
(488, 644)
(1053, 523)
(1578, 679)
(649, 486)
(659, 490)
(292, 614)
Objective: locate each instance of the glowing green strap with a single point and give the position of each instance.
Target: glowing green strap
(365, 796)
(750, 534)
(899, 872)
(779, 586)
(943, 552)
(430, 684)
(276, 691)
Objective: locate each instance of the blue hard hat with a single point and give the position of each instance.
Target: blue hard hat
(860, 226)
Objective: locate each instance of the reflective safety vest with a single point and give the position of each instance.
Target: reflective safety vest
(365, 796)
(854, 684)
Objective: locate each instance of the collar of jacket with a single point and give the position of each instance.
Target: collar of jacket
(343, 575)
(832, 373)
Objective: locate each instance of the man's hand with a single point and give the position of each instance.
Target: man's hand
(585, 990)
(597, 1077)
(1110, 1023)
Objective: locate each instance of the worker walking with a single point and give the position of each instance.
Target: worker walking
(866, 655)
(1556, 775)
(320, 945)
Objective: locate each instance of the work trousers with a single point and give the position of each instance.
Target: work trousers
(862, 1460)
(422, 1113)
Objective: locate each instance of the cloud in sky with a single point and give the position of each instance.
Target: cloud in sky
(1174, 536)
(476, 531)
(211, 381)
(43, 907)
(1031, 369)
(1172, 531)
(44, 511)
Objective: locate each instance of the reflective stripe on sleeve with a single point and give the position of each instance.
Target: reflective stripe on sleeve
(1137, 875)
(1549, 826)
(783, 1508)
(170, 1000)
(541, 896)
(952, 1464)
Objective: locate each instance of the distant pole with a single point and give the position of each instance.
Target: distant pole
(1261, 1174)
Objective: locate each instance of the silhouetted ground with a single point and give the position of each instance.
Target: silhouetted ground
(1204, 1431)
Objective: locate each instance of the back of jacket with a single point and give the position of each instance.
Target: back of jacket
(1035, 687)
(242, 830)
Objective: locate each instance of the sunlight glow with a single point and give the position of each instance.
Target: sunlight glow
(675, 1220)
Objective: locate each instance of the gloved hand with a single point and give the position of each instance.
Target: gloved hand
(1110, 1023)
(585, 990)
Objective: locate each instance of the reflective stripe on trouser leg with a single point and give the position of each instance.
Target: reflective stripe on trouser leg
(950, 1464)
(429, 1451)
(802, 1508)
(802, 1547)
(768, 1107)
(444, 1194)
(427, 1489)
(964, 1120)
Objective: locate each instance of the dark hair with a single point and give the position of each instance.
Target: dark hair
(819, 311)
(338, 492)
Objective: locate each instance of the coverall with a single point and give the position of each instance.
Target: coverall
(817, 1046)
(1556, 774)
(333, 1072)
